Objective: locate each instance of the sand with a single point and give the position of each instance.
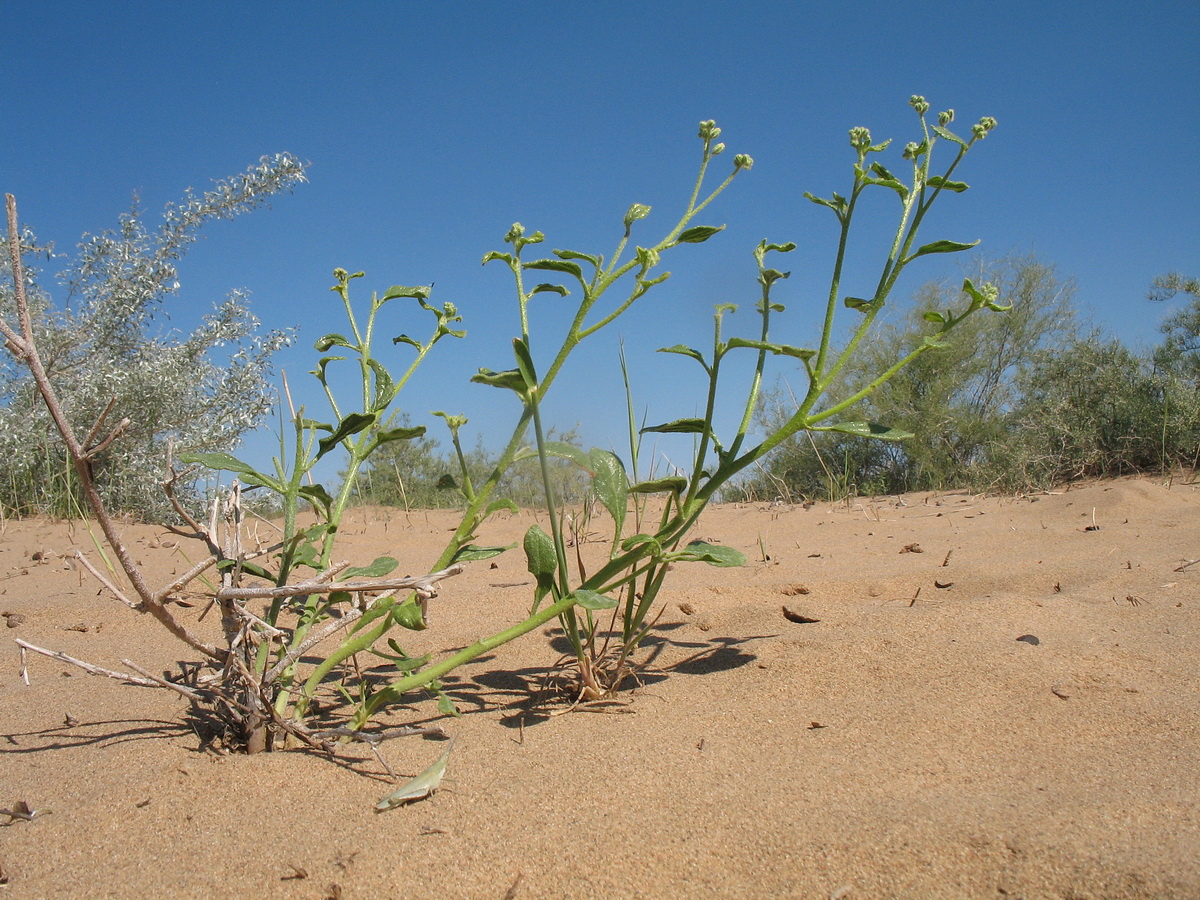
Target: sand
(1013, 711)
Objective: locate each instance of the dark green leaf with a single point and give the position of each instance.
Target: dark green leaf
(698, 234)
(446, 706)
(680, 426)
(683, 350)
(671, 483)
(227, 462)
(540, 556)
(547, 288)
(447, 483)
(525, 363)
(351, 425)
(399, 434)
(318, 496)
(385, 387)
(943, 247)
(420, 292)
(591, 600)
(405, 339)
(248, 568)
(934, 316)
(496, 254)
(863, 306)
(383, 565)
(777, 349)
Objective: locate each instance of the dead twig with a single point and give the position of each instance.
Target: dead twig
(88, 667)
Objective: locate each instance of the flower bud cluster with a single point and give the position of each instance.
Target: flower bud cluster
(860, 138)
(709, 130)
(919, 103)
(981, 129)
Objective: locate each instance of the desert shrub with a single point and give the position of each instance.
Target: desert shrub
(104, 351)
(955, 400)
(1095, 408)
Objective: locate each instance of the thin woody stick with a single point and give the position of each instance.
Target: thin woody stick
(112, 588)
(88, 667)
(422, 584)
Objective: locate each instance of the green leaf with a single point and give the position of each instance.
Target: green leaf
(869, 429)
(407, 615)
(446, 483)
(385, 386)
(777, 349)
(563, 450)
(351, 425)
(248, 568)
(674, 483)
(405, 339)
(541, 560)
(227, 462)
(446, 705)
(572, 254)
(698, 234)
(933, 316)
(863, 306)
(334, 340)
(938, 181)
(383, 565)
(610, 483)
(679, 426)
(525, 363)
(497, 254)
(496, 505)
(713, 554)
(547, 288)
(509, 378)
(943, 247)
(540, 556)
(318, 497)
(637, 540)
(591, 600)
(636, 211)
(420, 292)
(684, 350)
(556, 265)
(474, 553)
(949, 135)
(398, 434)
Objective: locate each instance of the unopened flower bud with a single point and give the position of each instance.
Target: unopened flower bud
(709, 130)
(981, 129)
(910, 150)
(860, 138)
(743, 161)
(717, 149)
(918, 103)
(945, 118)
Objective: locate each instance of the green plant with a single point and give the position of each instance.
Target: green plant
(629, 579)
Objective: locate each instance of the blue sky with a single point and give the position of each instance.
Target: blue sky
(430, 128)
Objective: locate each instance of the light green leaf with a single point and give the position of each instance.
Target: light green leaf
(540, 556)
(591, 600)
(547, 288)
(637, 211)
(556, 265)
(573, 254)
(420, 292)
(334, 340)
(383, 565)
(496, 254)
(945, 184)
(474, 553)
(610, 483)
(713, 554)
(525, 363)
(869, 429)
(949, 135)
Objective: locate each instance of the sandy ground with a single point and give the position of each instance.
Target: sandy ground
(1027, 725)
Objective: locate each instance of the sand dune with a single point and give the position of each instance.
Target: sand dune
(995, 700)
